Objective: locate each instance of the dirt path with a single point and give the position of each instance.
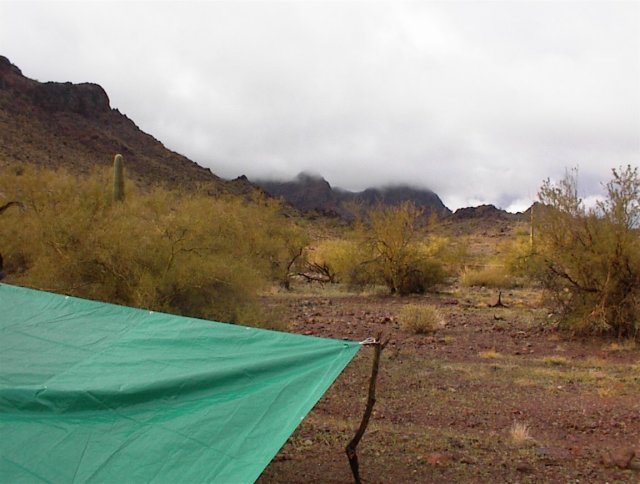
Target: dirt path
(448, 402)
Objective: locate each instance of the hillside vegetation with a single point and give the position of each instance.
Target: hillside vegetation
(185, 253)
(589, 259)
(469, 389)
(189, 252)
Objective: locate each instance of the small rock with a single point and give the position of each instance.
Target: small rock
(468, 460)
(282, 457)
(623, 457)
(524, 467)
(458, 444)
(551, 456)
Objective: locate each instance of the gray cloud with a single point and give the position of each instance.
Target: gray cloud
(479, 101)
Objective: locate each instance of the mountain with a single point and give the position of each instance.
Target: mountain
(487, 212)
(313, 193)
(306, 193)
(56, 124)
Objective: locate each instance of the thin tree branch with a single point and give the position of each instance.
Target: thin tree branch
(371, 400)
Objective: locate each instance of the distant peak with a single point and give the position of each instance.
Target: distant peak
(87, 99)
(5, 63)
(480, 211)
(309, 175)
(8, 71)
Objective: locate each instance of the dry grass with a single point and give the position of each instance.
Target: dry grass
(488, 276)
(519, 434)
(605, 392)
(555, 360)
(491, 354)
(421, 318)
(618, 346)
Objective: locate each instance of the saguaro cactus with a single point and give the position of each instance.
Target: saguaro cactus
(118, 179)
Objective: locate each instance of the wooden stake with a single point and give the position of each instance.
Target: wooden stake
(499, 304)
(371, 400)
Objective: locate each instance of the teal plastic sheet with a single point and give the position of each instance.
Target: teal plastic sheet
(102, 393)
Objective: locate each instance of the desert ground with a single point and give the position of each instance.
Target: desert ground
(496, 394)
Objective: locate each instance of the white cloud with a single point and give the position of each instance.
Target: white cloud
(478, 100)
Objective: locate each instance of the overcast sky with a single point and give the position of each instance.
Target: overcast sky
(479, 101)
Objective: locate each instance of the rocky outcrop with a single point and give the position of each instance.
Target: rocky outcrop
(73, 125)
(397, 194)
(306, 193)
(312, 193)
(481, 211)
(85, 99)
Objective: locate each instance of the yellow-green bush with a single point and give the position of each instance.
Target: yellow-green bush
(421, 318)
(591, 257)
(390, 242)
(449, 252)
(518, 257)
(339, 259)
(159, 249)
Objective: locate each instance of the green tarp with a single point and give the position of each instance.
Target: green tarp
(102, 393)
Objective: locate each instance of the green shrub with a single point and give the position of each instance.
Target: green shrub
(591, 257)
(338, 259)
(421, 318)
(519, 258)
(392, 252)
(450, 253)
(184, 253)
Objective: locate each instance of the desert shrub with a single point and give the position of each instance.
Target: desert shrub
(337, 259)
(189, 254)
(277, 242)
(423, 274)
(491, 354)
(450, 253)
(390, 245)
(495, 276)
(257, 315)
(421, 318)
(520, 434)
(518, 257)
(591, 257)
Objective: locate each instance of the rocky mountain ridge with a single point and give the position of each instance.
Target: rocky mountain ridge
(54, 124)
(309, 192)
(312, 193)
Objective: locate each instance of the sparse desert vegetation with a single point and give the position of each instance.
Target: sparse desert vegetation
(457, 402)
(520, 433)
(421, 319)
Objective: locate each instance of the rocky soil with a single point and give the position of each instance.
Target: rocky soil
(498, 394)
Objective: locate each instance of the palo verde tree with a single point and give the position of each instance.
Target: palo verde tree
(392, 237)
(168, 250)
(591, 257)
